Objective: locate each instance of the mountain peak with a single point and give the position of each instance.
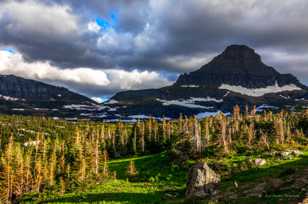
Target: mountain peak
(238, 56)
(236, 65)
(236, 47)
(237, 76)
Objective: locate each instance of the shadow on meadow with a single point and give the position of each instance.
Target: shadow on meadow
(129, 198)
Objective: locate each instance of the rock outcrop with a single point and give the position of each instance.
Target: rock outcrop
(202, 182)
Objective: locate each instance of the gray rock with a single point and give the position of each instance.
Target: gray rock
(296, 152)
(260, 162)
(289, 154)
(202, 182)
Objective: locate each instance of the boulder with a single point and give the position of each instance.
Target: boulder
(202, 182)
(289, 154)
(260, 162)
(296, 152)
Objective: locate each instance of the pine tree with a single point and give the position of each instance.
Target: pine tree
(52, 165)
(105, 164)
(62, 169)
(250, 134)
(224, 141)
(197, 137)
(131, 169)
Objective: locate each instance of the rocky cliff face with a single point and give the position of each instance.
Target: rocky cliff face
(235, 77)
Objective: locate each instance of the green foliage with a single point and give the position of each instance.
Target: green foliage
(44, 157)
(264, 127)
(303, 125)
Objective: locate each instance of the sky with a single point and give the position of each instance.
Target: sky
(100, 47)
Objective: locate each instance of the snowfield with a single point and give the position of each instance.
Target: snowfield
(110, 102)
(190, 86)
(82, 107)
(190, 103)
(257, 92)
(207, 99)
(139, 116)
(265, 107)
(9, 98)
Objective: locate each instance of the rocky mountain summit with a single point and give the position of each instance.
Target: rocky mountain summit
(237, 76)
(237, 65)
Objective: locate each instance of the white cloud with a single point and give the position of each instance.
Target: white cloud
(97, 99)
(80, 78)
(14, 63)
(147, 38)
(36, 18)
(125, 80)
(93, 27)
(112, 41)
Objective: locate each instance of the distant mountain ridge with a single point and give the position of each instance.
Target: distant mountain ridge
(28, 89)
(235, 77)
(25, 96)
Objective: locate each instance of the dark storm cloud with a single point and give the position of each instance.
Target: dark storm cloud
(167, 36)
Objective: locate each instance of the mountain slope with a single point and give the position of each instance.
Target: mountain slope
(236, 76)
(25, 96)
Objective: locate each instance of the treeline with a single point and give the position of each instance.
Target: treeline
(45, 155)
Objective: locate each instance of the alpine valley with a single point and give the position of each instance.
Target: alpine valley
(235, 77)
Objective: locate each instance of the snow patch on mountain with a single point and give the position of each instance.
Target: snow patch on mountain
(263, 107)
(284, 97)
(190, 86)
(189, 103)
(257, 92)
(112, 101)
(18, 109)
(82, 107)
(207, 99)
(206, 114)
(9, 98)
(139, 116)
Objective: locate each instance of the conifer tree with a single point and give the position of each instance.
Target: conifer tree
(131, 169)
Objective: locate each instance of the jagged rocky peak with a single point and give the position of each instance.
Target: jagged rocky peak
(239, 54)
(236, 65)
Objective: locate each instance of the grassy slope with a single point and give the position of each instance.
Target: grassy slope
(158, 182)
(280, 169)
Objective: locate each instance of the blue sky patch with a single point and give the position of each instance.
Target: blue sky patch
(114, 18)
(10, 50)
(105, 98)
(108, 23)
(103, 23)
